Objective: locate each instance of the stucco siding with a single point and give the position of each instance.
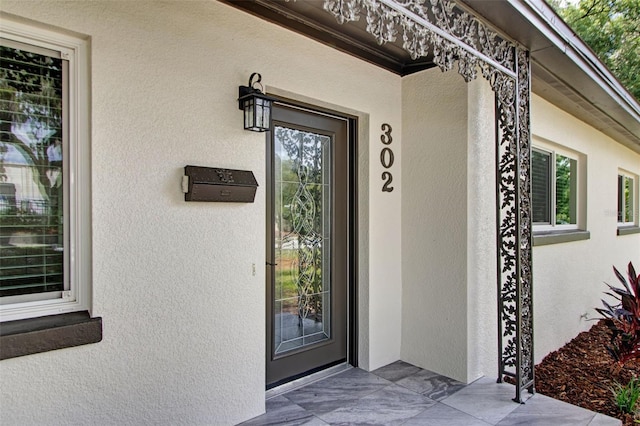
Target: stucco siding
(481, 236)
(434, 218)
(448, 225)
(569, 277)
(183, 314)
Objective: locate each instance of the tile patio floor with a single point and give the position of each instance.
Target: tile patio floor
(403, 394)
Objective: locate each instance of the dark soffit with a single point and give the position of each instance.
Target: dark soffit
(310, 19)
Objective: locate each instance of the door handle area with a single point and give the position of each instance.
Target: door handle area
(271, 264)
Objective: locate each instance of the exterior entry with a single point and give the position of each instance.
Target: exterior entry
(307, 242)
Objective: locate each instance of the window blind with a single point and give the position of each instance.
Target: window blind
(541, 186)
(31, 171)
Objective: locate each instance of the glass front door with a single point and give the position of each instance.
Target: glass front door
(307, 248)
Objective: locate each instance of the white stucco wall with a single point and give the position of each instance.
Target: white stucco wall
(434, 216)
(568, 277)
(482, 319)
(385, 251)
(448, 221)
(183, 315)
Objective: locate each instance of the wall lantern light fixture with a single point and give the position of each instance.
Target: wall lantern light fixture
(255, 104)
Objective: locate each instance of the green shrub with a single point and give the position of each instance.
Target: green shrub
(627, 396)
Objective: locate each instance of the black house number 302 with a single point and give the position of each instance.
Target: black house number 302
(386, 157)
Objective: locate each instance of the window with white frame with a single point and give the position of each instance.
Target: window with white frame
(555, 188)
(626, 198)
(45, 242)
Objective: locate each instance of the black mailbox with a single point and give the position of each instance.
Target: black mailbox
(210, 184)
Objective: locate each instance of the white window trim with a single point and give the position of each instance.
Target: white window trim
(78, 221)
(581, 192)
(634, 199)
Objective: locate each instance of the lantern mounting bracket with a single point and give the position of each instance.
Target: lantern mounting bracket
(250, 89)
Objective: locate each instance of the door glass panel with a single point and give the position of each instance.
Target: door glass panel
(302, 240)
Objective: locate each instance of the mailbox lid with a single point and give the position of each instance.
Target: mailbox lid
(217, 176)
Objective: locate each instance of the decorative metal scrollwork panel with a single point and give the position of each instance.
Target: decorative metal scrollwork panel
(440, 27)
(526, 369)
(514, 225)
(515, 301)
(302, 236)
(453, 35)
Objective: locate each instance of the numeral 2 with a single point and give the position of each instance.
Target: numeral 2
(388, 178)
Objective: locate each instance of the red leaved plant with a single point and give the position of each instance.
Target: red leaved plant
(623, 319)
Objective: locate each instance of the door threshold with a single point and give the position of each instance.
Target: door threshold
(306, 380)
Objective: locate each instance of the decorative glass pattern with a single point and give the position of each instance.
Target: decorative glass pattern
(302, 238)
(451, 34)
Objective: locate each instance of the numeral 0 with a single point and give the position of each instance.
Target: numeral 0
(386, 158)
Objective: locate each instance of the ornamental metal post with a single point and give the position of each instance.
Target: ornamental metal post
(513, 208)
(526, 374)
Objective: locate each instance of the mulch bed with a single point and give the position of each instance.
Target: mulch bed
(581, 373)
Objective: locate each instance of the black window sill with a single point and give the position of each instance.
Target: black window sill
(628, 230)
(35, 335)
(543, 238)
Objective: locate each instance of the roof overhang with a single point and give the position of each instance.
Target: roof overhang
(565, 71)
